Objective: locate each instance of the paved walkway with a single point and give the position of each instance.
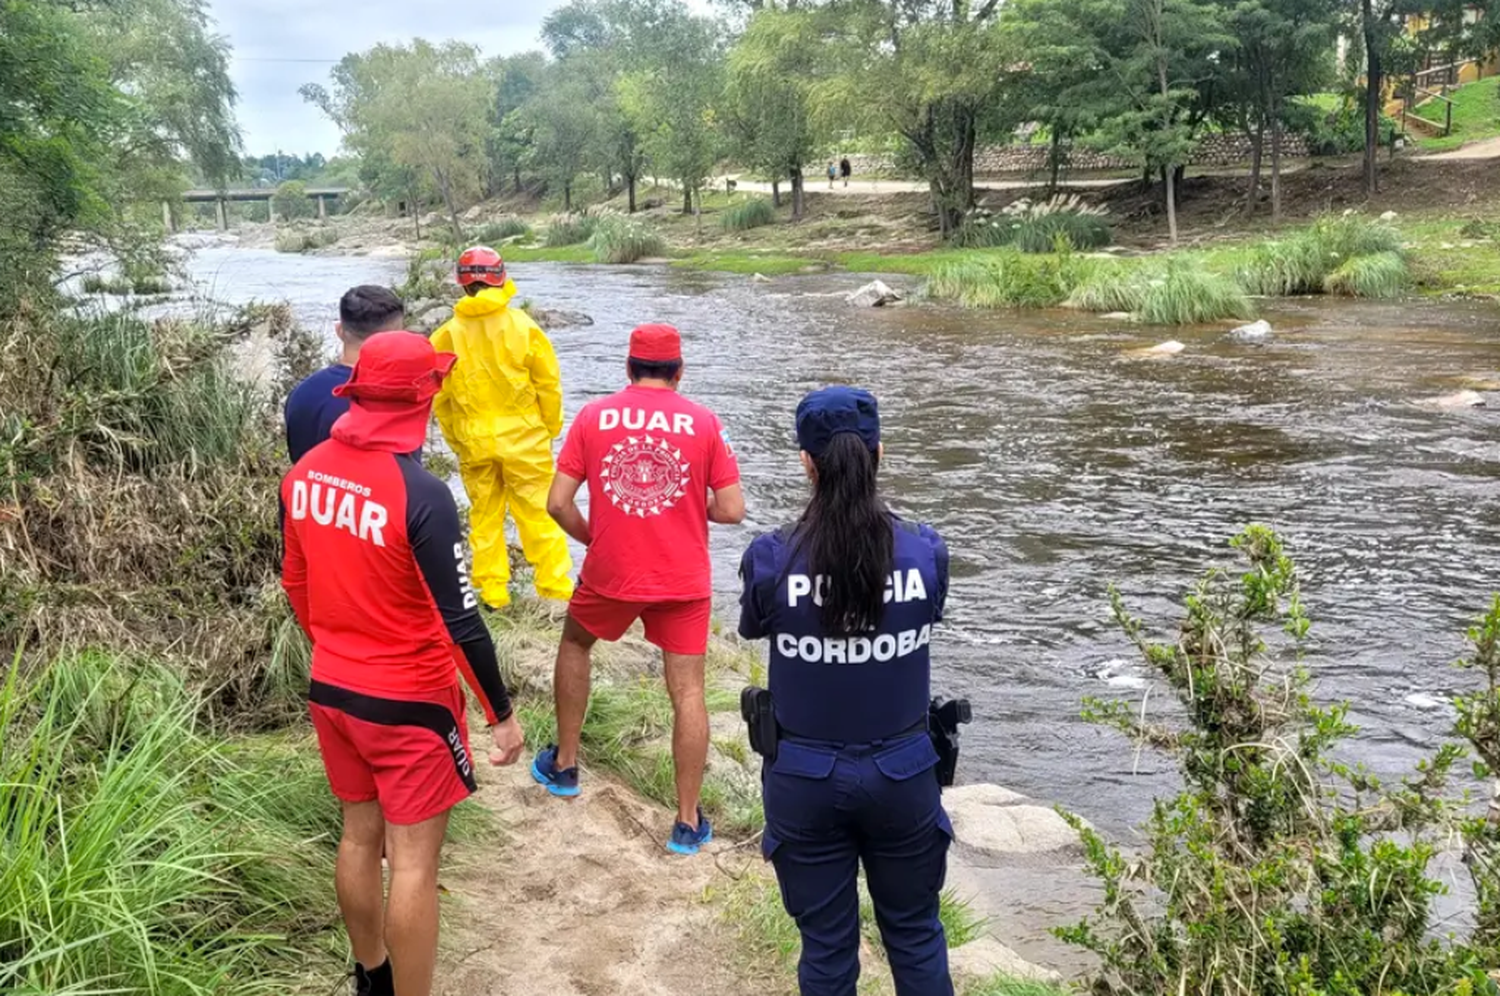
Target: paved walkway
(1486, 149)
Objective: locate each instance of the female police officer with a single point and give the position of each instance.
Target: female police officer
(848, 597)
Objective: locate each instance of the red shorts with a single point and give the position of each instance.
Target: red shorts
(676, 627)
(411, 756)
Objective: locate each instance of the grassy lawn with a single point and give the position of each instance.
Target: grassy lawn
(1476, 115)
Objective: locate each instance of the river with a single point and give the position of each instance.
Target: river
(1055, 465)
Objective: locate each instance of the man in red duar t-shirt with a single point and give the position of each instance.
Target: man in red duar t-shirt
(659, 470)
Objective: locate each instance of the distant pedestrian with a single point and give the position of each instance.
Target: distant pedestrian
(846, 169)
(833, 174)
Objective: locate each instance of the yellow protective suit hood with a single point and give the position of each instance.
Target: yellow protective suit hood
(500, 409)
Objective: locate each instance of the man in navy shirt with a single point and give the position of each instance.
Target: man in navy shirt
(312, 408)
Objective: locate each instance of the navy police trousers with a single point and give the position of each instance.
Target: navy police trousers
(830, 807)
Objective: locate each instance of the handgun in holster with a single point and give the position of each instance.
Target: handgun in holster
(760, 717)
(944, 717)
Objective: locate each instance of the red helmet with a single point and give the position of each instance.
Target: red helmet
(481, 265)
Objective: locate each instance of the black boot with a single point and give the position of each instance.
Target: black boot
(374, 982)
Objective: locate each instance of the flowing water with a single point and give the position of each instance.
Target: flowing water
(1056, 464)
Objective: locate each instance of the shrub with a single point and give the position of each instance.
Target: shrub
(1381, 275)
(569, 230)
(96, 283)
(1278, 871)
(618, 239)
(498, 232)
(1037, 227)
(290, 201)
(753, 213)
(1007, 279)
(1303, 263)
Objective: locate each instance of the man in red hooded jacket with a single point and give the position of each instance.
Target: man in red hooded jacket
(375, 571)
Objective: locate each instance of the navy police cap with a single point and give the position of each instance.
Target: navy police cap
(834, 411)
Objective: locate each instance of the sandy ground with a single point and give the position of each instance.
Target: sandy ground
(581, 898)
(864, 187)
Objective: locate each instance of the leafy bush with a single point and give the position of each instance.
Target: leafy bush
(1303, 263)
(1007, 279)
(1278, 871)
(291, 202)
(569, 230)
(497, 232)
(1381, 275)
(1336, 132)
(618, 239)
(1036, 227)
(753, 213)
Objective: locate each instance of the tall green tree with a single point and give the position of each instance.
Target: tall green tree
(770, 104)
(516, 79)
(422, 107)
(563, 128)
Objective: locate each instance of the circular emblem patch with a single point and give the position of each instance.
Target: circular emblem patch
(645, 476)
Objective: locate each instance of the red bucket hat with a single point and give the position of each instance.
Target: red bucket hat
(656, 344)
(397, 366)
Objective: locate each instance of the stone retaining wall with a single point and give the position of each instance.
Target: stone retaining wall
(1213, 150)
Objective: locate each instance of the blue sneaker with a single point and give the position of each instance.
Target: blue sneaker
(687, 840)
(560, 782)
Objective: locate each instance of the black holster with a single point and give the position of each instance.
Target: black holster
(755, 709)
(944, 717)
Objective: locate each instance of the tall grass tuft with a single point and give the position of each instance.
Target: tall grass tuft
(756, 212)
(1037, 227)
(1110, 286)
(1379, 275)
(1007, 279)
(503, 230)
(142, 857)
(1186, 294)
(569, 230)
(618, 239)
(1305, 262)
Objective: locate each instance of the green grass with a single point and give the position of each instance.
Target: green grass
(621, 239)
(1476, 116)
(96, 283)
(144, 856)
(1306, 261)
(496, 233)
(1381, 275)
(1065, 221)
(569, 230)
(1004, 985)
(756, 212)
(1184, 293)
(1006, 279)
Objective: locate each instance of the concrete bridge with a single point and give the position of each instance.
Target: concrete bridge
(221, 199)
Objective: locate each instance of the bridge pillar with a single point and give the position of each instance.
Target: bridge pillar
(166, 218)
(322, 209)
(223, 213)
(271, 211)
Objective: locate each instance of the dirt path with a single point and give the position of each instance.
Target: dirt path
(864, 187)
(581, 898)
(1489, 148)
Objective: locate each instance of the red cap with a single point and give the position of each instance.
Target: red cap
(656, 344)
(397, 366)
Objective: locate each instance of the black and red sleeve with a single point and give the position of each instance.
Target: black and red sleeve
(432, 528)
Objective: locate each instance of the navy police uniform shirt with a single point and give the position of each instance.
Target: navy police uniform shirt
(846, 689)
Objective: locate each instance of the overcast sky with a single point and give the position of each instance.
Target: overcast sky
(281, 44)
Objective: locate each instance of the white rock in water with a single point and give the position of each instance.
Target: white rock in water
(1388, 216)
(1118, 316)
(760, 278)
(997, 821)
(1422, 700)
(1255, 332)
(987, 957)
(1169, 348)
(1460, 399)
(875, 294)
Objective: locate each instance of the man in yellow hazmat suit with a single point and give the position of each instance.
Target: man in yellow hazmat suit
(500, 409)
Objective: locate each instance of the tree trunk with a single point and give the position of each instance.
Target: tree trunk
(518, 179)
(416, 213)
(1054, 160)
(568, 195)
(630, 191)
(1276, 168)
(1169, 174)
(687, 198)
(1374, 86)
(1257, 137)
(799, 199)
(776, 193)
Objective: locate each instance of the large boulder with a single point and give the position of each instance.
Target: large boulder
(986, 957)
(558, 318)
(1001, 823)
(874, 294)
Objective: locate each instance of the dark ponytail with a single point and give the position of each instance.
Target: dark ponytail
(847, 535)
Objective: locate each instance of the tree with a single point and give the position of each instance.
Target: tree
(769, 105)
(415, 105)
(563, 129)
(931, 71)
(517, 79)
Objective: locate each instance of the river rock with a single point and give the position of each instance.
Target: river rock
(1255, 332)
(760, 278)
(1459, 399)
(558, 318)
(997, 821)
(1160, 351)
(987, 957)
(1118, 316)
(874, 294)
(1389, 216)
